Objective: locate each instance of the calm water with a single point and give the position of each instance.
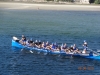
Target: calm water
(55, 26)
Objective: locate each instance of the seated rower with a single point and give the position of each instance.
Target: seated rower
(43, 45)
(30, 43)
(23, 40)
(65, 47)
(56, 45)
(39, 42)
(36, 43)
(27, 42)
(53, 47)
(75, 49)
(47, 45)
(58, 48)
(71, 48)
(62, 47)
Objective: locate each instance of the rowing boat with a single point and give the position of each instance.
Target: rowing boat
(20, 46)
(16, 44)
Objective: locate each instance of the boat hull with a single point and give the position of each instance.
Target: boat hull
(17, 44)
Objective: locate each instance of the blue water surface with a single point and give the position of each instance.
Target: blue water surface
(48, 25)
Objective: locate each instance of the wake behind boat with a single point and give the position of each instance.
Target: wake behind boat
(48, 48)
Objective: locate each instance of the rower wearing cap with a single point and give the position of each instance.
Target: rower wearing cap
(53, 46)
(71, 48)
(63, 47)
(23, 40)
(85, 46)
(85, 43)
(75, 49)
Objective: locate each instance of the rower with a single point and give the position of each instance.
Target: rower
(40, 42)
(31, 42)
(23, 40)
(47, 43)
(43, 45)
(58, 48)
(36, 42)
(75, 49)
(53, 47)
(28, 42)
(71, 48)
(64, 47)
(84, 47)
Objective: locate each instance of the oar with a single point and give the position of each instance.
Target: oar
(27, 47)
(91, 50)
(94, 51)
(98, 50)
(31, 51)
(45, 53)
(22, 49)
(38, 52)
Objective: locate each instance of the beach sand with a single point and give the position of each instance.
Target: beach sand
(70, 7)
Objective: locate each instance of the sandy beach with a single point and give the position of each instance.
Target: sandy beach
(72, 7)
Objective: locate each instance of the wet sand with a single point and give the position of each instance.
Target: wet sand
(71, 7)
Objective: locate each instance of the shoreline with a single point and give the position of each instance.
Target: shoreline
(49, 6)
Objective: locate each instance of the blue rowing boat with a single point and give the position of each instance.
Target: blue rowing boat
(18, 45)
(31, 49)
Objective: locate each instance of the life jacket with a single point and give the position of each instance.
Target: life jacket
(53, 46)
(74, 48)
(44, 45)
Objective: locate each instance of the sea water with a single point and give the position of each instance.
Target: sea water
(71, 27)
